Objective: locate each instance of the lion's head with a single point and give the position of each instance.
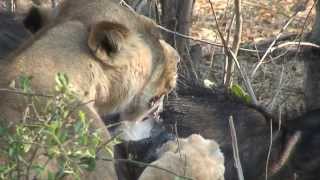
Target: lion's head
(113, 57)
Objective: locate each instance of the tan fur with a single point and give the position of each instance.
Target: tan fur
(121, 79)
(193, 157)
(22, 6)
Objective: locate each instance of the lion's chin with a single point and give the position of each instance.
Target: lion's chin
(139, 127)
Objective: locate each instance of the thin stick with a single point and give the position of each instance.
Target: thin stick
(227, 59)
(25, 93)
(289, 147)
(218, 44)
(13, 5)
(186, 36)
(147, 165)
(294, 43)
(315, 2)
(278, 89)
(279, 118)
(236, 43)
(269, 151)
(200, 40)
(245, 79)
(179, 149)
(235, 149)
(234, 57)
(272, 44)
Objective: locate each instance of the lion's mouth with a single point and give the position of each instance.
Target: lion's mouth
(152, 114)
(155, 107)
(154, 101)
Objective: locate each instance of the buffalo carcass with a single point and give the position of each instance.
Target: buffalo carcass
(294, 153)
(200, 110)
(295, 146)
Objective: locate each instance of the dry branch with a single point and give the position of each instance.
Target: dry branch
(234, 57)
(272, 44)
(235, 149)
(228, 76)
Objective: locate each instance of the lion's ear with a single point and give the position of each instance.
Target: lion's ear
(105, 40)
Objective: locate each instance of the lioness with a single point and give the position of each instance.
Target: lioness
(111, 56)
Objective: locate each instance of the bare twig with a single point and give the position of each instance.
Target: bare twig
(228, 77)
(293, 43)
(177, 135)
(186, 36)
(229, 29)
(272, 44)
(245, 79)
(227, 59)
(261, 5)
(147, 165)
(234, 57)
(278, 89)
(108, 141)
(179, 149)
(54, 3)
(293, 140)
(25, 93)
(123, 3)
(77, 106)
(201, 40)
(12, 6)
(269, 151)
(273, 48)
(224, 18)
(255, 46)
(279, 117)
(235, 149)
(304, 25)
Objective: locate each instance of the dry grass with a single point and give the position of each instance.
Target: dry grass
(261, 19)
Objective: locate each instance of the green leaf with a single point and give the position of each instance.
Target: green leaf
(53, 126)
(25, 83)
(237, 91)
(88, 163)
(38, 168)
(63, 136)
(83, 140)
(62, 81)
(64, 140)
(3, 131)
(82, 116)
(50, 176)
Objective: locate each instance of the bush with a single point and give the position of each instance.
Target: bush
(55, 130)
